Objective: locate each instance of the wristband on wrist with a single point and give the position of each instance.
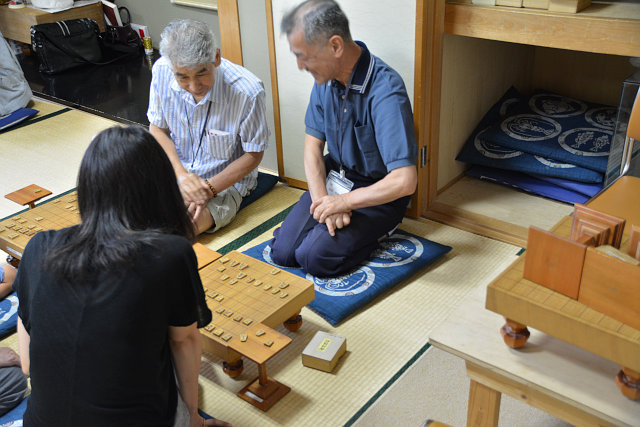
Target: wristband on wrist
(213, 190)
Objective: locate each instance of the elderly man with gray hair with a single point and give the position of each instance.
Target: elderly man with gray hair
(358, 108)
(209, 116)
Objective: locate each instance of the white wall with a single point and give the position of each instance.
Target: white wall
(388, 30)
(156, 14)
(255, 56)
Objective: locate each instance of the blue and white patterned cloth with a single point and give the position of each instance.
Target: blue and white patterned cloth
(484, 148)
(8, 314)
(397, 258)
(559, 128)
(236, 123)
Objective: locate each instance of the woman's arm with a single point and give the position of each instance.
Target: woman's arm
(186, 347)
(23, 346)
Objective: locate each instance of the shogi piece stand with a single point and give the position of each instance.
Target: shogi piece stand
(264, 391)
(28, 195)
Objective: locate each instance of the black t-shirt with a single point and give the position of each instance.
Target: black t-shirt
(99, 351)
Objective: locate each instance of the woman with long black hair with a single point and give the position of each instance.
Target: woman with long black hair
(109, 308)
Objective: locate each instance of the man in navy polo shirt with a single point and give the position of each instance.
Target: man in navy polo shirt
(359, 107)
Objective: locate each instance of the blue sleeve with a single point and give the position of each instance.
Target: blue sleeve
(394, 127)
(314, 118)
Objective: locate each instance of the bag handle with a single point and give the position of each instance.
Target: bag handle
(123, 8)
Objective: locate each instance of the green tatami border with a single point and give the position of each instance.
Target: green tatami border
(37, 119)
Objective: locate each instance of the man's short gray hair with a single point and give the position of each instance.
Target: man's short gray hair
(188, 43)
(319, 19)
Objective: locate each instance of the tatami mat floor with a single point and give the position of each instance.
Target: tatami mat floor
(373, 384)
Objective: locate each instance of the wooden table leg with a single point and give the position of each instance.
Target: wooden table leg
(13, 261)
(628, 381)
(514, 334)
(294, 322)
(264, 392)
(233, 368)
(484, 406)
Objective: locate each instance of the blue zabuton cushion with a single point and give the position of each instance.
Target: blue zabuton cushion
(397, 258)
(559, 128)
(481, 150)
(8, 314)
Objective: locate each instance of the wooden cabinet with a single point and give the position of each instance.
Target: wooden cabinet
(467, 56)
(16, 23)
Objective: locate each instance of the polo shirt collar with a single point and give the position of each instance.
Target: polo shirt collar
(363, 71)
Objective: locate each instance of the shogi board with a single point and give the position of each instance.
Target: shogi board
(54, 214)
(246, 295)
(537, 306)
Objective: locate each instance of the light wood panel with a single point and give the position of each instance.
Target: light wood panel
(472, 66)
(229, 22)
(572, 384)
(475, 74)
(613, 28)
(274, 86)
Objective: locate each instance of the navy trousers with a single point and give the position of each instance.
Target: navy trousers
(302, 241)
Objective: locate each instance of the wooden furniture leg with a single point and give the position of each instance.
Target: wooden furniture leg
(484, 406)
(628, 381)
(514, 334)
(264, 392)
(13, 261)
(233, 368)
(294, 322)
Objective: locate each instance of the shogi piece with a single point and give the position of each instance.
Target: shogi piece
(611, 286)
(323, 351)
(554, 262)
(604, 229)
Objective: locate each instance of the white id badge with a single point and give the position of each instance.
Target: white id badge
(337, 185)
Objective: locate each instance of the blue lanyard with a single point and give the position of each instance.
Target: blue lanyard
(204, 126)
(337, 131)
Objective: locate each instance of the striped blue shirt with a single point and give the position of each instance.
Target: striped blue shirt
(237, 121)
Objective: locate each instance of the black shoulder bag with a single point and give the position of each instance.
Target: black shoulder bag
(66, 44)
(63, 45)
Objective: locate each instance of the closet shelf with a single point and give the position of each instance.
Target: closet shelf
(604, 27)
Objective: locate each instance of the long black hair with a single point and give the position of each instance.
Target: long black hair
(127, 197)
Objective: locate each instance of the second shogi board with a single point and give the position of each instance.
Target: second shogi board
(54, 214)
(248, 298)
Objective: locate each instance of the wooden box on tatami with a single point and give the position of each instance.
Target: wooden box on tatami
(323, 351)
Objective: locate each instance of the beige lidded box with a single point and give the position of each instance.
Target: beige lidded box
(323, 351)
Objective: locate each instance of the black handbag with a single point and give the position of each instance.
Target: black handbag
(66, 44)
(122, 39)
